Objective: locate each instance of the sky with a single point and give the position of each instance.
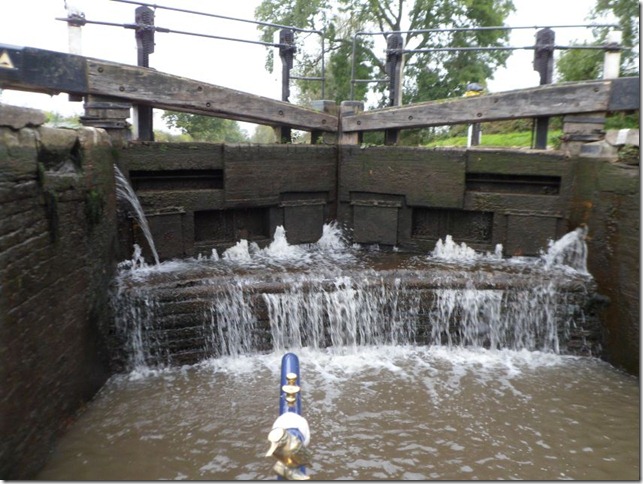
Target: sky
(236, 65)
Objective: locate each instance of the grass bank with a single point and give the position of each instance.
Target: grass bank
(505, 140)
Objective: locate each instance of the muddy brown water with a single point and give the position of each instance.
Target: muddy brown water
(397, 413)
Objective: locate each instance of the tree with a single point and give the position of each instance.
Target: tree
(627, 15)
(264, 134)
(58, 120)
(578, 65)
(427, 75)
(205, 128)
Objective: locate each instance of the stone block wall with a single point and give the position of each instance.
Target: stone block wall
(57, 257)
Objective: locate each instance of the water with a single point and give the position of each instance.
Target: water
(284, 297)
(469, 383)
(124, 191)
(379, 413)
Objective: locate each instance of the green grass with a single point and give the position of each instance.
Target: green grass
(505, 140)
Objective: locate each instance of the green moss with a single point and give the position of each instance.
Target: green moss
(40, 167)
(51, 212)
(94, 203)
(629, 154)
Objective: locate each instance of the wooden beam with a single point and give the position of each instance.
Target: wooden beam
(175, 93)
(51, 72)
(548, 100)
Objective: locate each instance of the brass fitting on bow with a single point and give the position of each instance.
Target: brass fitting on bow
(287, 448)
(291, 389)
(290, 434)
(289, 473)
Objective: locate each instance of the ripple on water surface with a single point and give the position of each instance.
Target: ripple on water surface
(378, 413)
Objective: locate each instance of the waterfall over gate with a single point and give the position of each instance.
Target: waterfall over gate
(323, 295)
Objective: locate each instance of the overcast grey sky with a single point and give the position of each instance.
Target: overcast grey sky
(231, 64)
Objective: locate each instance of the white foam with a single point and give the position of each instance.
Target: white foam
(238, 252)
(332, 238)
(570, 251)
(454, 252)
(280, 249)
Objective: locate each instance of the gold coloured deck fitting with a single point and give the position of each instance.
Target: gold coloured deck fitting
(291, 389)
(287, 448)
(289, 473)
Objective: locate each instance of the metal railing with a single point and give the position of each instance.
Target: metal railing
(543, 48)
(145, 29)
(400, 51)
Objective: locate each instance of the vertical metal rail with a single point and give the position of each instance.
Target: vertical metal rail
(321, 33)
(394, 68)
(544, 65)
(144, 19)
(287, 55)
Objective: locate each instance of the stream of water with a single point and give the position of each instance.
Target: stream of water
(378, 408)
(125, 192)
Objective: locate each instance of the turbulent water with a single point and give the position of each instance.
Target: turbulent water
(284, 297)
(378, 413)
(486, 395)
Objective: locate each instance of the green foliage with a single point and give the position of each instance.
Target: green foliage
(519, 139)
(205, 128)
(57, 120)
(167, 137)
(264, 134)
(580, 65)
(623, 121)
(427, 76)
(629, 154)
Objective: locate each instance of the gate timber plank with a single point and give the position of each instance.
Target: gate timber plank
(550, 100)
(166, 91)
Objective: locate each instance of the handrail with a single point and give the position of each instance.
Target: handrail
(456, 29)
(321, 34)
(38, 70)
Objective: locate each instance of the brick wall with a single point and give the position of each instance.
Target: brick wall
(57, 241)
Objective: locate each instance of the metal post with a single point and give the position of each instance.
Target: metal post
(394, 57)
(287, 51)
(612, 60)
(544, 65)
(144, 18)
(394, 68)
(474, 133)
(75, 22)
